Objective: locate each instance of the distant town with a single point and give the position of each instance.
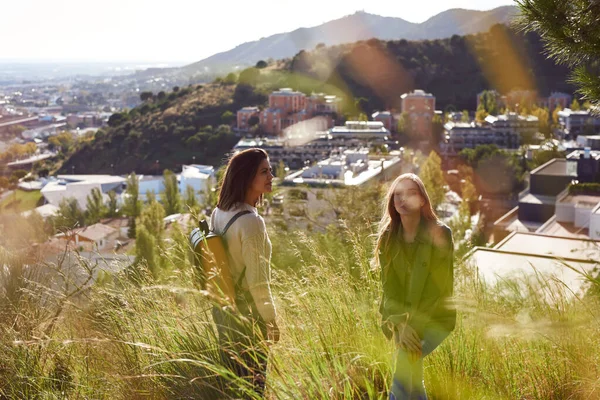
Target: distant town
(307, 139)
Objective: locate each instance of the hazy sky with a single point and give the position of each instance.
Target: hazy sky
(176, 30)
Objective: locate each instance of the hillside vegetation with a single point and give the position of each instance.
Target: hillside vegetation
(192, 122)
(147, 335)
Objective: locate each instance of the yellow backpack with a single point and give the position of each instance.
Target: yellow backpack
(212, 263)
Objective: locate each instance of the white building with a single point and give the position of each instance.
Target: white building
(511, 123)
(581, 211)
(361, 130)
(149, 183)
(574, 123)
(350, 168)
(79, 187)
(199, 177)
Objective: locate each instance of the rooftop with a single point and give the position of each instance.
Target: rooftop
(546, 273)
(511, 116)
(511, 222)
(581, 200)
(537, 199)
(245, 143)
(560, 247)
(95, 232)
(44, 211)
(564, 229)
(579, 154)
(374, 168)
(287, 92)
(417, 93)
(567, 112)
(556, 167)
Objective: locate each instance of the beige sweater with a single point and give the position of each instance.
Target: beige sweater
(248, 245)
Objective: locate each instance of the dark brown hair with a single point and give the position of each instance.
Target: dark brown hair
(239, 174)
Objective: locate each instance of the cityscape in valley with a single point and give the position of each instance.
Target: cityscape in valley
(105, 168)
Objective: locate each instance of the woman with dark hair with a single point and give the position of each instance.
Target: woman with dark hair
(415, 253)
(247, 178)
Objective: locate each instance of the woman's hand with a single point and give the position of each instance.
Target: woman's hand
(272, 332)
(409, 341)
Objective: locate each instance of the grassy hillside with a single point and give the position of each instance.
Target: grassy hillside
(123, 339)
(20, 201)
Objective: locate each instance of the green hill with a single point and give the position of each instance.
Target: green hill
(172, 128)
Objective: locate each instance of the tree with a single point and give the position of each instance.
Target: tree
(571, 35)
(112, 208)
(227, 117)
(261, 64)
(280, 171)
(481, 114)
(190, 201)
(18, 174)
(69, 215)
(575, 105)
(253, 121)
(62, 142)
(152, 219)
(543, 116)
(149, 236)
(145, 96)
(132, 204)
(404, 124)
(437, 130)
(489, 102)
(170, 197)
(465, 116)
(433, 178)
(117, 119)
(557, 109)
(230, 79)
(249, 76)
(469, 192)
(95, 209)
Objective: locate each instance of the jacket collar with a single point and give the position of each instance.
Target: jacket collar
(423, 235)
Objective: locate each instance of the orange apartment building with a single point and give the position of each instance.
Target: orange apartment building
(420, 107)
(244, 115)
(287, 108)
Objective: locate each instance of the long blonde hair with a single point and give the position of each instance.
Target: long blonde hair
(390, 219)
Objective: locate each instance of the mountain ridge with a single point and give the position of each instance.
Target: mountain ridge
(356, 27)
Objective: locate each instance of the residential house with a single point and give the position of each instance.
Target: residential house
(97, 237)
(537, 203)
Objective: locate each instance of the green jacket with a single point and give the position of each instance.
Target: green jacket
(424, 301)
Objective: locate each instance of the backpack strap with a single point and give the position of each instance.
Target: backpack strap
(232, 220)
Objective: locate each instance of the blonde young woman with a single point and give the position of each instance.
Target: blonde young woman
(247, 178)
(415, 253)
